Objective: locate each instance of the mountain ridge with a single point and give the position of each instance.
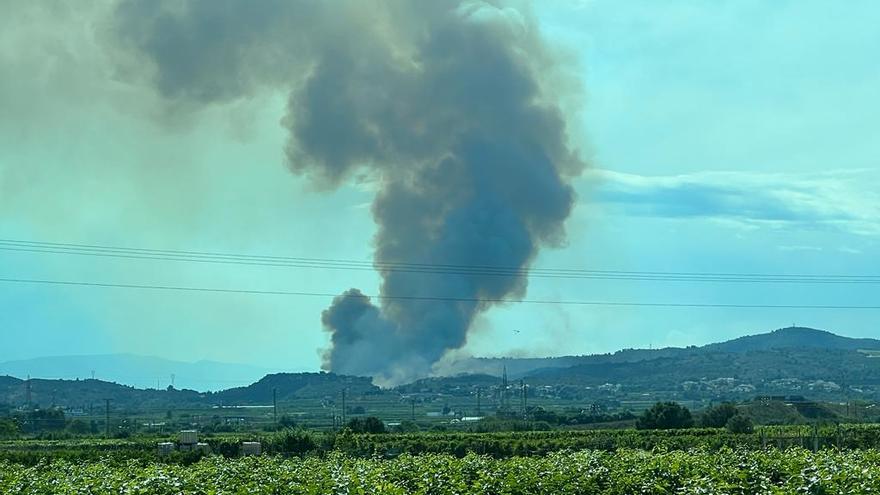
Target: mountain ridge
(137, 370)
(782, 338)
(786, 361)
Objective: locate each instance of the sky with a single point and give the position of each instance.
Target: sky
(724, 136)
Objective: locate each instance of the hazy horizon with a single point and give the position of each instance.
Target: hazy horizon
(148, 381)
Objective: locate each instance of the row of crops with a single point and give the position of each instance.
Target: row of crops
(594, 472)
(497, 445)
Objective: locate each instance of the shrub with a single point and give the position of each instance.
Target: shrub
(718, 416)
(9, 429)
(740, 424)
(294, 441)
(665, 416)
(369, 424)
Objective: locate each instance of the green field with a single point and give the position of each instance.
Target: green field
(297, 442)
(696, 471)
(497, 444)
(829, 459)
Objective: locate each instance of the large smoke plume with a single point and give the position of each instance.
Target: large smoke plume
(447, 105)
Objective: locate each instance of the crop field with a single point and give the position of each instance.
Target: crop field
(498, 445)
(772, 461)
(585, 472)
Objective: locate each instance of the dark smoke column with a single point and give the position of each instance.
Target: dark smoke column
(446, 104)
(473, 165)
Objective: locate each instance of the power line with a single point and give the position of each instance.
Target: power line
(432, 298)
(422, 268)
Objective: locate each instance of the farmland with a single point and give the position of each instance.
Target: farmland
(622, 472)
(499, 445)
(780, 460)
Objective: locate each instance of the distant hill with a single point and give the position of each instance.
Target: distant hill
(784, 338)
(86, 394)
(758, 368)
(790, 361)
(787, 362)
(139, 371)
(290, 386)
(791, 338)
(8, 381)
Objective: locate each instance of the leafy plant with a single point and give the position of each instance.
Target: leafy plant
(665, 416)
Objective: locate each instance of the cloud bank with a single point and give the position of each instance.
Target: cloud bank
(839, 200)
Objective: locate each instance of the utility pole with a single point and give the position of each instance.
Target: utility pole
(275, 405)
(504, 402)
(28, 392)
(107, 417)
(478, 401)
(343, 407)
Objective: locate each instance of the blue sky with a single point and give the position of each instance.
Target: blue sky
(722, 136)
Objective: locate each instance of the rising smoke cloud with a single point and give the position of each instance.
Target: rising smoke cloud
(446, 105)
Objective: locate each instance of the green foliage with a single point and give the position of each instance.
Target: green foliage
(593, 472)
(718, 416)
(42, 420)
(496, 424)
(740, 423)
(814, 410)
(407, 427)
(286, 421)
(577, 417)
(78, 427)
(293, 441)
(665, 416)
(499, 445)
(9, 429)
(370, 424)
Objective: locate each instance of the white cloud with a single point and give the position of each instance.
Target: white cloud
(841, 200)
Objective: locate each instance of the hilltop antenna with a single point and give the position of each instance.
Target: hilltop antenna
(93, 374)
(172, 379)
